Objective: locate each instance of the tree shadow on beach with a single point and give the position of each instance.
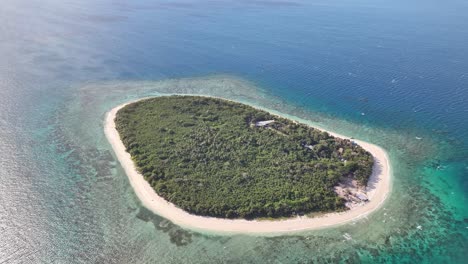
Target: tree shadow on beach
(374, 179)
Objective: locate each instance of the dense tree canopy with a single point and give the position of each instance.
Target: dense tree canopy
(211, 157)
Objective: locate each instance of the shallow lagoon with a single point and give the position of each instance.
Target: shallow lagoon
(412, 213)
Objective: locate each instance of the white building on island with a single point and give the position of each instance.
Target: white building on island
(264, 123)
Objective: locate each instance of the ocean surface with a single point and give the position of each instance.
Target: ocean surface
(394, 73)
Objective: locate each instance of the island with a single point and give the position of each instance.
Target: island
(214, 164)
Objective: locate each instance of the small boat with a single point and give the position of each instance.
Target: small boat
(347, 236)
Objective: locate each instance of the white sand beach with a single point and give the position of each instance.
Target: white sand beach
(378, 190)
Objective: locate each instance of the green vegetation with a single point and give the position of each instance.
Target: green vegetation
(208, 157)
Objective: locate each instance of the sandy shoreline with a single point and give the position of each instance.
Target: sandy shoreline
(378, 189)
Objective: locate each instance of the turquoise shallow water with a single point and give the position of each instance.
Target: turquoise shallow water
(393, 74)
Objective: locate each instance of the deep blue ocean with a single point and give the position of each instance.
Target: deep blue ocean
(394, 73)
